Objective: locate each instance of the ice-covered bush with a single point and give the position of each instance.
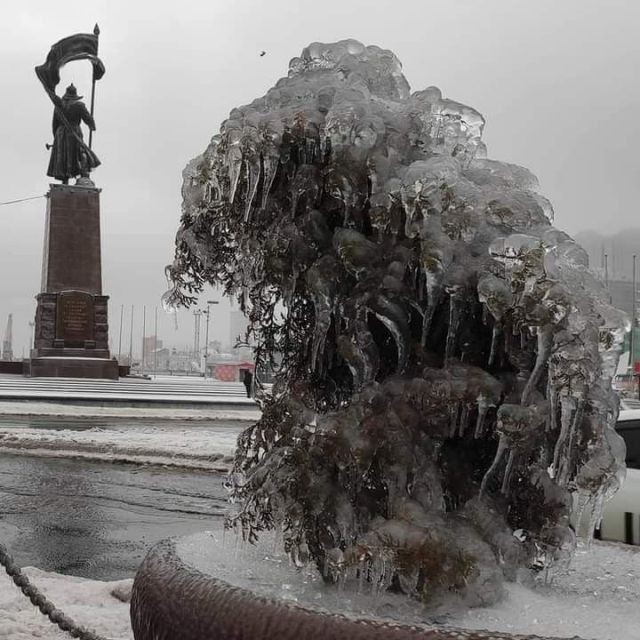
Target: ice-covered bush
(443, 354)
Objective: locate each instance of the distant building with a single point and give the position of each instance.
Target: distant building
(150, 344)
(178, 362)
(226, 371)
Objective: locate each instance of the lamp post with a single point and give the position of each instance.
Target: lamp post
(131, 341)
(120, 334)
(32, 326)
(155, 343)
(206, 334)
(197, 314)
(144, 329)
(633, 315)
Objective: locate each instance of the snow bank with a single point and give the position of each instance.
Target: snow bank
(198, 447)
(87, 602)
(55, 409)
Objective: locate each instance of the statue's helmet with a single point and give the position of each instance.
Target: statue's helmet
(71, 93)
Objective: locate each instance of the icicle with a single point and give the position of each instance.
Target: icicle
(253, 178)
(566, 413)
(502, 447)
(310, 150)
(322, 323)
(552, 395)
(289, 291)
(270, 168)
(234, 167)
(464, 420)
(596, 503)
(454, 322)
(418, 286)
(426, 320)
(394, 318)
(507, 473)
(563, 473)
(507, 343)
(361, 577)
(483, 408)
(453, 419)
(544, 347)
(581, 502)
(494, 342)
(409, 206)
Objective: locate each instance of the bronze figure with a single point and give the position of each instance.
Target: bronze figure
(68, 156)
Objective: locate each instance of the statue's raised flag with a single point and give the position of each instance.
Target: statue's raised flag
(81, 46)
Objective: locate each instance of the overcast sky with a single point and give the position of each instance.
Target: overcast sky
(557, 81)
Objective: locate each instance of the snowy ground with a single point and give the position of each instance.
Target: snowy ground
(205, 440)
(201, 446)
(33, 408)
(597, 599)
(88, 602)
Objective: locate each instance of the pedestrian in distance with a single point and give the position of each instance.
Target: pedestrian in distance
(248, 382)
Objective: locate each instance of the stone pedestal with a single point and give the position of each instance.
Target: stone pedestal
(71, 326)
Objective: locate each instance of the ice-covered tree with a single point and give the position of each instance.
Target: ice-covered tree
(443, 354)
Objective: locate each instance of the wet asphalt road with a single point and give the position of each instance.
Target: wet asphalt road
(97, 519)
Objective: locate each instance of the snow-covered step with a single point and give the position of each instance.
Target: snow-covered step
(165, 390)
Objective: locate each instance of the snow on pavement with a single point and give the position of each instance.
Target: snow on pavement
(33, 408)
(88, 602)
(199, 447)
(204, 443)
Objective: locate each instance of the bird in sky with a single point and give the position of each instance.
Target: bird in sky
(262, 53)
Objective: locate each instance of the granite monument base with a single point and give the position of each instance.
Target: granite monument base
(69, 367)
(71, 337)
(71, 326)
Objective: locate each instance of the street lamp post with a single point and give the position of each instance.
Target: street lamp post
(120, 334)
(206, 335)
(196, 335)
(633, 314)
(32, 326)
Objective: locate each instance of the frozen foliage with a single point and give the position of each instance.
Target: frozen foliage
(444, 353)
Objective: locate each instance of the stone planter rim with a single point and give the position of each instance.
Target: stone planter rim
(172, 600)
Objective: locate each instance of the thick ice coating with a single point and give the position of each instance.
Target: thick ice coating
(443, 354)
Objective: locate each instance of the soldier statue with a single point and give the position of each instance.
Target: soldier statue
(69, 154)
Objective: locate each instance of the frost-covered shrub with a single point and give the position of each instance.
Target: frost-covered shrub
(443, 354)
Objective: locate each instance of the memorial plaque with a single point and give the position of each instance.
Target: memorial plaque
(75, 318)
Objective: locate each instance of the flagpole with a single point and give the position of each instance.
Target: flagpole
(96, 32)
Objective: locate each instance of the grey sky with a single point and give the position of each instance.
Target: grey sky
(555, 79)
